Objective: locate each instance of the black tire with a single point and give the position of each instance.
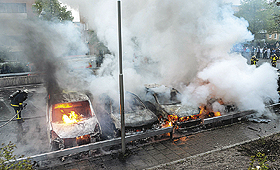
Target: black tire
(54, 146)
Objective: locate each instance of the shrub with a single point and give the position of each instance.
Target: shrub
(8, 159)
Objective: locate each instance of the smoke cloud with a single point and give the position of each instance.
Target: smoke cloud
(44, 44)
(182, 43)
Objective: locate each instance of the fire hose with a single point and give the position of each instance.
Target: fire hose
(9, 120)
(25, 118)
(12, 117)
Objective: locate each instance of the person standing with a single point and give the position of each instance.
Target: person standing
(274, 59)
(17, 99)
(273, 51)
(253, 51)
(278, 52)
(264, 53)
(268, 53)
(258, 50)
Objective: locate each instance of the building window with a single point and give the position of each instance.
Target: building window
(275, 36)
(269, 36)
(12, 7)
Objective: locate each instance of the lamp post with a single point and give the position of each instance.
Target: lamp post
(121, 80)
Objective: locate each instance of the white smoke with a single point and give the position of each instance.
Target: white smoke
(234, 81)
(180, 43)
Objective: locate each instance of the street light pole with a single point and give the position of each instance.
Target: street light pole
(121, 80)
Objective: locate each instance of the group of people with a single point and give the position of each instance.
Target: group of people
(264, 53)
(256, 53)
(273, 58)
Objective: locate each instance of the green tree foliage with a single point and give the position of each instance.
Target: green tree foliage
(52, 10)
(8, 159)
(261, 158)
(275, 5)
(258, 13)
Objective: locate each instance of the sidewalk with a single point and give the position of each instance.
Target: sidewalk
(163, 152)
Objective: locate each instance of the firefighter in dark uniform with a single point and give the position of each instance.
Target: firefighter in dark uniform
(254, 60)
(274, 59)
(17, 99)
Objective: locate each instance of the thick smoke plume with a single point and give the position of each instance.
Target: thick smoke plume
(182, 43)
(45, 45)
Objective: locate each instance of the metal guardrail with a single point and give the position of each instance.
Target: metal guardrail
(97, 145)
(228, 117)
(17, 79)
(16, 74)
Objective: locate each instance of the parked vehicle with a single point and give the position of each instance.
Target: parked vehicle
(71, 120)
(137, 115)
(165, 101)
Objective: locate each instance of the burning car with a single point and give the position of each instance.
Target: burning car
(137, 115)
(166, 103)
(71, 120)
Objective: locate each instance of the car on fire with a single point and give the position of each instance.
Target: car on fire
(71, 120)
(164, 101)
(137, 115)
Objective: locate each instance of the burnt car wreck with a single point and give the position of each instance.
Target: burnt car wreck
(71, 120)
(166, 104)
(137, 116)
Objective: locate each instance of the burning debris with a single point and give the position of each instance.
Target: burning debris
(172, 112)
(72, 120)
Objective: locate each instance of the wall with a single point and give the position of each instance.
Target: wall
(20, 80)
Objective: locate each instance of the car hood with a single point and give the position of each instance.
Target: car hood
(180, 110)
(81, 128)
(136, 118)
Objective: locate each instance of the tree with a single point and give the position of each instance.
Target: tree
(52, 10)
(8, 159)
(259, 15)
(275, 5)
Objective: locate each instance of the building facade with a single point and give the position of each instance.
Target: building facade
(16, 9)
(11, 10)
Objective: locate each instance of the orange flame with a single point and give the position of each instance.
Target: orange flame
(63, 105)
(216, 114)
(167, 124)
(72, 118)
(204, 113)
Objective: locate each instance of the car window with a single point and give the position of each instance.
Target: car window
(80, 109)
(132, 104)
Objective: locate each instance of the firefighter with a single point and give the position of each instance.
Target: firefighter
(17, 99)
(254, 60)
(274, 59)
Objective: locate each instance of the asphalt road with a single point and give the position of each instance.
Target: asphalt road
(30, 136)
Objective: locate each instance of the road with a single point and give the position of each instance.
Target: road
(30, 136)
